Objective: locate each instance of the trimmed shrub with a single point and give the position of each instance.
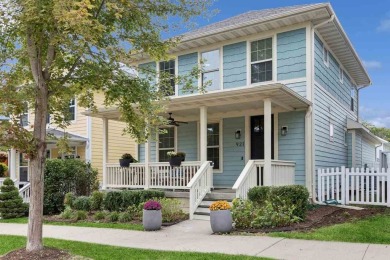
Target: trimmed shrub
(3, 169)
(97, 198)
(135, 211)
(243, 213)
(171, 210)
(81, 215)
(295, 196)
(125, 217)
(11, 204)
(99, 215)
(113, 216)
(67, 213)
(121, 200)
(74, 176)
(82, 203)
(69, 199)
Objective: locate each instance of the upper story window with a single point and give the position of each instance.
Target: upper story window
(325, 55)
(213, 147)
(168, 68)
(72, 109)
(341, 74)
(24, 116)
(352, 99)
(211, 71)
(261, 60)
(166, 143)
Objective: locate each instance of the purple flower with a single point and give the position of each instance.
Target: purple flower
(152, 205)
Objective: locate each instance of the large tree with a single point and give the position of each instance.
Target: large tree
(54, 50)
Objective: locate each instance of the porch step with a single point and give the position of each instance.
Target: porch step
(201, 217)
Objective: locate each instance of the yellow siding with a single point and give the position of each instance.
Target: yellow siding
(80, 151)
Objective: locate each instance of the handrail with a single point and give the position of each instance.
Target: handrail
(200, 185)
(25, 192)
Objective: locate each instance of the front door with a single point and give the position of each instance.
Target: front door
(257, 137)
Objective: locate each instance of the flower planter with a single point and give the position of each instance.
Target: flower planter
(176, 161)
(152, 220)
(221, 221)
(125, 162)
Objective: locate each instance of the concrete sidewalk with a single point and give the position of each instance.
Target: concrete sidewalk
(196, 236)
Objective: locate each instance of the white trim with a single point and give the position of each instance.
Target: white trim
(176, 75)
(275, 57)
(309, 64)
(341, 74)
(276, 135)
(158, 142)
(75, 111)
(325, 55)
(247, 138)
(220, 146)
(248, 63)
(220, 61)
(272, 59)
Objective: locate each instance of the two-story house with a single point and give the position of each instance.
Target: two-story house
(283, 102)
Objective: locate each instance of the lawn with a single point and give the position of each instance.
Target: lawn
(371, 230)
(127, 226)
(96, 251)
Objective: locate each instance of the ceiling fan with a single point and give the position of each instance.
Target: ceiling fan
(173, 122)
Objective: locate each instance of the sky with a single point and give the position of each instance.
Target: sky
(367, 24)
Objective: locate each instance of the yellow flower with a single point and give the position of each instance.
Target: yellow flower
(220, 205)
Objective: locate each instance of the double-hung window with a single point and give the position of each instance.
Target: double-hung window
(24, 115)
(166, 140)
(261, 60)
(352, 99)
(211, 72)
(325, 55)
(167, 74)
(213, 146)
(72, 110)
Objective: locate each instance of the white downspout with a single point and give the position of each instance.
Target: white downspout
(314, 194)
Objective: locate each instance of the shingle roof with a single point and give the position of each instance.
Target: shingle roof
(246, 18)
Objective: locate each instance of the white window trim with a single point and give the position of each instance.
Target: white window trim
(28, 117)
(220, 122)
(75, 110)
(325, 55)
(273, 59)
(341, 74)
(220, 69)
(158, 143)
(175, 93)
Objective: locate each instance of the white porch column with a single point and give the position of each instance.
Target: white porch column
(203, 134)
(105, 151)
(267, 141)
(12, 164)
(147, 161)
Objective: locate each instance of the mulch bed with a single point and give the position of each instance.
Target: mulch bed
(45, 254)
(322, 216)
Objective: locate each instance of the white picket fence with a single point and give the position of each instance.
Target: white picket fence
(354, 186)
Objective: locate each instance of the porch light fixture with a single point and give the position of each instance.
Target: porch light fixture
(237, 134)
(284, 130)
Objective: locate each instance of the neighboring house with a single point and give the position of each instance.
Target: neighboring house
(382, 154)
(85, 139)
(284, 101)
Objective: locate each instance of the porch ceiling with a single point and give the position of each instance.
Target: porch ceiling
(223, 103)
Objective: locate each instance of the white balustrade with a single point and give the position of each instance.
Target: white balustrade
(25, 193)
(200, 185)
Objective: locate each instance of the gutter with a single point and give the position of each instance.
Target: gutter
(313, 188)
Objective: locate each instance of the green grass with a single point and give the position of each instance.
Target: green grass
(127, 226)
(372, 230)
(96, 251)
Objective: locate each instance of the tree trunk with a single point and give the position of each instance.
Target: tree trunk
(37, 160)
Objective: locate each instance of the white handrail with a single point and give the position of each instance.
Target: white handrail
(25, 193)
(247, 178)
(200, 185)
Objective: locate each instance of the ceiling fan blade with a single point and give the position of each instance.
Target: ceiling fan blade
(181, 122)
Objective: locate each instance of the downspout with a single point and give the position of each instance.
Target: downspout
(314, 193)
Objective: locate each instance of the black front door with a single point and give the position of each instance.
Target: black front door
(257, 137)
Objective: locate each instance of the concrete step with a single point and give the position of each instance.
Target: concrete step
(202, 217)
(202, 210)
(220, 196)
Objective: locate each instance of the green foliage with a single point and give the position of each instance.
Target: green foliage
(243, 213)
(135, 211)
(3, 169)
(82, 203)
(67, 213)
(121, 200)
(125, 217)
(74, 175)
(99, 215)
(97, 198)
(171, 210)
(113, 216)
(295, 196)
(69, 199)
(11, 204)
(81, 215)
(381, 132)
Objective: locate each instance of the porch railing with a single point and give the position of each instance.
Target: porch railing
(162, 175)
(199, 186)
(25, 193)
(282, 173)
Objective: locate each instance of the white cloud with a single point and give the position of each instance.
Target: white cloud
(384, 26)
(372, 64)
(377, 117)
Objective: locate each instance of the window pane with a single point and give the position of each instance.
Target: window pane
(211, 60)
(213, 155)
(213, 78)
(212, 134)
(261, 50)
(168, 68)
(261, 72)
(167, 139)
(162, 155)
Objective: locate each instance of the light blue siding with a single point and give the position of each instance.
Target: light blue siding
(292, 146)
(234, 65)
(185, 65)
(329, 79)
(329, 153)
(141, 152)
(148, 71)
(358, 152)
(233, 154)
(188, 141)
(291, 54)
(299, 87)
(368, 153)
(349, 147)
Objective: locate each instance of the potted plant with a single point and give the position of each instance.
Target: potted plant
(126, 160)
(152, 216)
(220, 217)
(3, 169)
(175, 158)
(3, 158)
